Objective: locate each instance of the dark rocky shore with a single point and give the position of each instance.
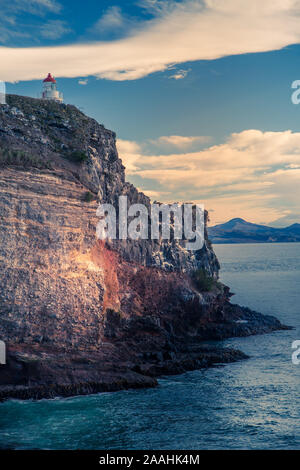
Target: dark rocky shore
(78, 315)
(35, 371)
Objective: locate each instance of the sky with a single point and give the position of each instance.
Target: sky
(198, 92)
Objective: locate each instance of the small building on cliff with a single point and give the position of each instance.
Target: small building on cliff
(50, 91)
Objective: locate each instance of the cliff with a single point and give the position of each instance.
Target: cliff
(78, 315)
(60, 140)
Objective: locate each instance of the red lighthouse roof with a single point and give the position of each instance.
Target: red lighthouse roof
(49, 78)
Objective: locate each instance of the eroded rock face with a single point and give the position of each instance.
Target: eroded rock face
(50, 287)
(77, 315)
(61, 139)
(57, 280)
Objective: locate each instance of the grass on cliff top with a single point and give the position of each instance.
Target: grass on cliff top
(45, 108)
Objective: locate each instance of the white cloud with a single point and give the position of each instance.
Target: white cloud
(83, 81)
(54, 29)
(110, 20)
(180, 141)
(35, 7)
(180, 32)
(158, 7)
(130, 153)
(6, 33)
(154, 194)
(12, 29)
(254, 170)
(179, 75)
(50, 5)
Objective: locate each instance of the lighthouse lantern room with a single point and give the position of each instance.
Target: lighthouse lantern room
(50, 91)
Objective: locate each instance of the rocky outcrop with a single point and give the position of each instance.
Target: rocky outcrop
(79, 315)
(61, 140)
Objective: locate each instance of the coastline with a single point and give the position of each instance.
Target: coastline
(52, 373)
(78, 314)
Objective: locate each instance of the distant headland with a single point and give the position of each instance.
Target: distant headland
(240, 231)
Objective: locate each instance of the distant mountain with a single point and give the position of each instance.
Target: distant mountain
(241, 231)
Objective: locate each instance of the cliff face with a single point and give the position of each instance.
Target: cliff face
(77, 315)
(59, 139)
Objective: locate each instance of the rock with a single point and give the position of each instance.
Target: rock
(58, 130)
(79, 315)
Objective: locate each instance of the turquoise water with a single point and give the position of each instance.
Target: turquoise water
(253, 404)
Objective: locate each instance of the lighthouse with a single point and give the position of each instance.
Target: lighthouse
(50, 91)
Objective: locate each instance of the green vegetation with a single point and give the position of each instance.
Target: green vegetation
(19, 158)
(77, 156)
(204, 282)
(88, 197)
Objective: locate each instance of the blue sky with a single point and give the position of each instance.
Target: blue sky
(198, 91)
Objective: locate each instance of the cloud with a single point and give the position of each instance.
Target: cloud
(54, 29)
(34, 7)
(179, 32)
(114, 24)
(179, 75)
(158, 7)
(12, 29)
(7, 33)
(154, 194)
(41, 5)
(180, 141)
(110, 20)
(83, 81)
(254, 170)
(131, 153)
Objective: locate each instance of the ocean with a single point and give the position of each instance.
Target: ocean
(253, 404)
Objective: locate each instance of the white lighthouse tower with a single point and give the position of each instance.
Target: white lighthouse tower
(50, 91)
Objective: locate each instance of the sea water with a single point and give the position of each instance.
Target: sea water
(252, 404)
